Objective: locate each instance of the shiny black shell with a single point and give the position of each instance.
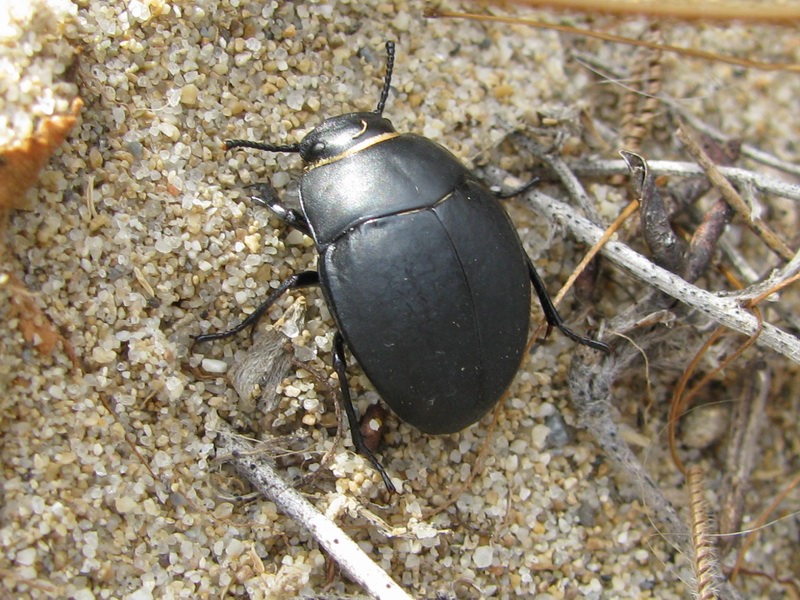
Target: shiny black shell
(421, 268)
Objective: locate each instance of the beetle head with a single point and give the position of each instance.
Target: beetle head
(338, 135)
(346, 133)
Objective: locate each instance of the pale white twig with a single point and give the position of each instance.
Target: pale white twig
(763, 183)
(352, 559)
(724, 310)
(789, 270)
(567, 176)
(732, 252)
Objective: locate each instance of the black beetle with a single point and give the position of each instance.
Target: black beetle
(420, 266)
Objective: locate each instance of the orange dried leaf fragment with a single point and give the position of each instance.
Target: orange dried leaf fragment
(20, 165)
(34, 325)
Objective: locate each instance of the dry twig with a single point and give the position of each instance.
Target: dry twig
(746, 428)
(759, 181)
(724, 310)
(350, 557)
(590, 383)
(732, 196)
(618, 39)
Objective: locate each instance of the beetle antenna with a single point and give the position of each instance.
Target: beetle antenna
(231, 144)
(387, 82)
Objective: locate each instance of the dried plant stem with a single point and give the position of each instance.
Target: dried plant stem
(565, 173)
(731, 196)
(640, 102)
(617, 39)
(678, 9)
(760, 182)
(594, 250)
(590, 381)
(706, 565)
(726, 311)
(681, 398)
(746, 150)
(743, 450)
(676, 106)
(350, 557)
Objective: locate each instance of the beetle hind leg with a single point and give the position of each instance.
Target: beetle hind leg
(339, 365)
(552, 316)
(298, 280)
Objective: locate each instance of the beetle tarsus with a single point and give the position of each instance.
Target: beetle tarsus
(552, 316)
(339, 365)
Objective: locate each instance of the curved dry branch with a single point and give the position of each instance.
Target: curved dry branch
(724, 310)
(350, 557)
(763, 183)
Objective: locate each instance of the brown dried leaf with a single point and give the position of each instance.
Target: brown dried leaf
(20, 165)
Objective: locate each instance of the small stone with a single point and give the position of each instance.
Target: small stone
(175, 387)
(223, 510)
(705, 425)
(95, 158)
(169, 130)
(235, 548)
(482, 557)
(295, 238)
(125, 504)
(103, 356)
(189, 94)
(26, 557)
(559, 435)
(539, 436)
(253, 242)
(213, 365)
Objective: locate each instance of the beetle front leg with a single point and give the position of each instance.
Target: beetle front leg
(339, 365)
(266, 195)
(552, 316)
(298, 280)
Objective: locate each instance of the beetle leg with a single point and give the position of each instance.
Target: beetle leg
(339, 365)
(552, 316)
(265, 195)
(298, 280)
